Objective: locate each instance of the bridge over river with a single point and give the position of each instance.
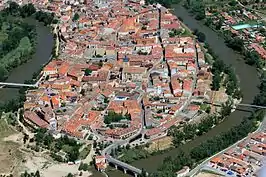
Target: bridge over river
(2, 84)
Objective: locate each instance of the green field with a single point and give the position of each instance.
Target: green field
(83, 154)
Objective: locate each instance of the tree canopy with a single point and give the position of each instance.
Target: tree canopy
(114, 117)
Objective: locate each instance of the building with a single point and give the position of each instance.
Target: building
(100, 163)
(183, 172)
(133, 73)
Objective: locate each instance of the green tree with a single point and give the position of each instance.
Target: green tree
(178, 137)
(252, 58)
(27, 10)
(70, 175)
(226, 108)
(219, 25)
(3, 73)
(208, 22)
(201, 37)
(88, 72)
(127, 146)
(76, 17)
(73, 154)
(143, 173)
(13, 8)
(37, 174)
(216, 80)
(236, 43)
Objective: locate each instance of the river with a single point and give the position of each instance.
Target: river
(247, 75)
(248, 82)
(25, 71)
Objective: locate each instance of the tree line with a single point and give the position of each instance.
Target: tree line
(165, 3)
(197, 7)
(193, 156)
(32, 174)
(115, 117)
(68, 145)
(28, 10)
(224, 75)
(190, 131)
(18, 38)
(260, 98)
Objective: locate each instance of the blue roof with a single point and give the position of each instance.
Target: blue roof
(125, 59)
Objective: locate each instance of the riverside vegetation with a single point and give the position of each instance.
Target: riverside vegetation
(63, 149)
(18, 43)
(207, 148)
(17, 37)
(198, 9)
(223, 75)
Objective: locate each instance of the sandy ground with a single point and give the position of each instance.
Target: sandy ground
(161, 144)
(204, 174)
(10, 153)
(18, 138)
(10, 156)
(220, 96)
(48, 168)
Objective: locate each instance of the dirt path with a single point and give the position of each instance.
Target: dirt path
(204, 174)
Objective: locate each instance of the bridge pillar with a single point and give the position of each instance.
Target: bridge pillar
(125, 171)
(115, 166)
(135, 174)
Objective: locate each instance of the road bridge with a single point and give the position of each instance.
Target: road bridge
(17, 84)
(125, 166)
(240, 104)
(117, 163)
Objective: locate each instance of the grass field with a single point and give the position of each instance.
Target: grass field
(160, 144)
(83, 154)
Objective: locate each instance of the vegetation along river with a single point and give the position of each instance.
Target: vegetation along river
(248, 82)
(247, 75)
(25, 71)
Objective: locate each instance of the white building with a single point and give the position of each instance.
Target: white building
(183, 172)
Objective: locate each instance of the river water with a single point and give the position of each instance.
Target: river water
(247, 75)
(25, 71)
(248, 82)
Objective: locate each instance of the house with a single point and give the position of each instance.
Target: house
(133, 73)
(33, 119)
(50, 69)
(100, 163)
(122, 133)
(176, 86)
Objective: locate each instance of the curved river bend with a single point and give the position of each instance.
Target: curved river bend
(247, 75)
(25, 71)
(248, 82)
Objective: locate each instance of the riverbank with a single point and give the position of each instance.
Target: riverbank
(260, 128)
(25, 71)
(246, 74)
(248, 81)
